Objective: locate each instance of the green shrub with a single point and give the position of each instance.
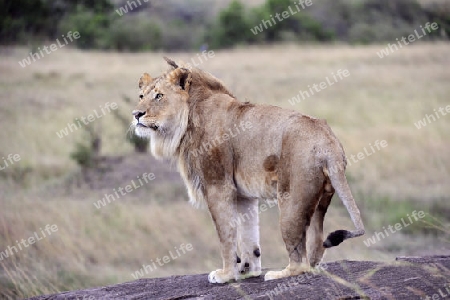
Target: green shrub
(129, 34)
(439, 12)
(91, 26)
(179, 36)
(362, 33)
(311, 30)
(231, 28)
(86, 152)
(235, 24)
(374, 21)
(83, 155)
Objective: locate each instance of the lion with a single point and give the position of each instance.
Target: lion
(230, 154)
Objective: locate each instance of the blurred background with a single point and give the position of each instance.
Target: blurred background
(56, 167)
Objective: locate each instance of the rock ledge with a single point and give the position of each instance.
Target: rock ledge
(405, 278)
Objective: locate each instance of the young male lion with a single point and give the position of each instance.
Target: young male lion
(230, 154)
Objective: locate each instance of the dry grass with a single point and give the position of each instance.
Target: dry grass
(381, 100)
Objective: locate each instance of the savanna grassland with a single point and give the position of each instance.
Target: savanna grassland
(381, 99)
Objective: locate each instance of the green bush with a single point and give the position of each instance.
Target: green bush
(83, 155)
(231, 28)
(126, 34)
(301, 24)
(23, 19)
(180, 36)
(374, 21)
(235, 24)
(439, 12)
(311, 30)
(89, 24)
(86, 152)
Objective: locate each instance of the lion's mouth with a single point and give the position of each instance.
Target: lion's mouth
(151, 126)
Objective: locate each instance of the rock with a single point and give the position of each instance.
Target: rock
(406, 278)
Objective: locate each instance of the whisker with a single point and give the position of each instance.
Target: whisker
(130, 130)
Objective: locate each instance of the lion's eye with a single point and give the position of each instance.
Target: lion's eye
(159, 96)
(141, 96)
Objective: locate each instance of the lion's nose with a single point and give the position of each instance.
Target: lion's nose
(137, 114)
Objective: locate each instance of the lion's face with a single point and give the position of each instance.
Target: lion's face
(159, 105)
(161, 113)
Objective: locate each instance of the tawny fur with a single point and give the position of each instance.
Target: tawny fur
(253, 152)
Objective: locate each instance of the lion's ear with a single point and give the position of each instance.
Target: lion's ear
(180, 77)
(145, 79)
(171, 62)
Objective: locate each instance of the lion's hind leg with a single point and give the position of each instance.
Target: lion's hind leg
(296, 212)
(314, 240)
(248, 238)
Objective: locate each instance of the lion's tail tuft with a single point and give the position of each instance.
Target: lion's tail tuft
(339, 182)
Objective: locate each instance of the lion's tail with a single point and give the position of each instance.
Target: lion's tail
(339, 182)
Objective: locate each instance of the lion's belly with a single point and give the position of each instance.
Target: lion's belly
(255, 185)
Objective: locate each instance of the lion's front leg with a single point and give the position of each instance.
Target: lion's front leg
(222, 206)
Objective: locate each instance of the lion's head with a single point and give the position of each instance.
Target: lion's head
(162, 111)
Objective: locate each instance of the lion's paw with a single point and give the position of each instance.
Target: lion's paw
(249, 267)
(249, 274)
(271, 275)
(288, 271)
(219, 276)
